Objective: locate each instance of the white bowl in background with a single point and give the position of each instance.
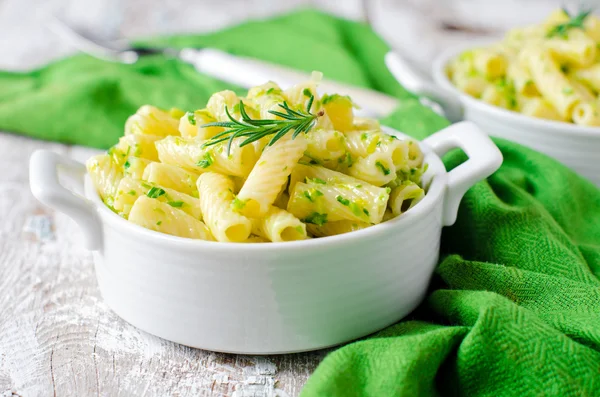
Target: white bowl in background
(272, 297)
(578, 147)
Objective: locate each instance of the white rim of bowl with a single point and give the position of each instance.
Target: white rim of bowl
(437, 172)
(439, 75)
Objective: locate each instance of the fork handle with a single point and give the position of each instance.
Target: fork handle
(248, 72)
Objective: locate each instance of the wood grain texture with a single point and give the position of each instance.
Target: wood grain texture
(58, 338)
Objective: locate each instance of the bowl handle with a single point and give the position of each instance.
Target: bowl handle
(44, 167)
(407, 75)
(484, 159)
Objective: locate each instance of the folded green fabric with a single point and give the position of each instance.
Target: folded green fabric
(514, 308)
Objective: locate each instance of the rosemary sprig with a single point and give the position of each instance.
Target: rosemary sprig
(576, 21)
(299, 121)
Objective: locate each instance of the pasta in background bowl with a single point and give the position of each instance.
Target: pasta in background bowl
(532, 89)
(158, 270)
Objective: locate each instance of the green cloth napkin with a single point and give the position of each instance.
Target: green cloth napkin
(514, 307)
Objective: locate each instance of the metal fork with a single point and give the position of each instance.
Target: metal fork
(241, 71)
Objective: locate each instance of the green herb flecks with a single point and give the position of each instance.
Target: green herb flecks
(316, 219)
(191, 118)
(315, 180)
(575, 22)
(238, 204)
(298, 121)
(176, 204)
(342, 200)
(383, 168)
(312, 194)
(158, 223)
(207, 161)
(306, 92)
(132, 192)
(155, 192)
(126, 165)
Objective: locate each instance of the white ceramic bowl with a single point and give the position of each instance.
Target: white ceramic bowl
(274, 297)
(576, 146)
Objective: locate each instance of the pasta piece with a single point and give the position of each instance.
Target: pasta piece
(361, 144)
(377, 168)
(216, 192)
(190, 155)
(404, 197)
(129, 190)
(550, 81)
(161, 217)
(586, 114)
(228, 99)
(278, 225)
(139, 146)
(173, 177)
(325, 146)
(539, 107)
(579, 49)
(472, 84)
(497, 95)
(590, 76)
(267, 97)
(339, 109)
(190, 125)
(365, 124)
(592, 27)
(335, 228)
(298, 97)
(489, 63)
(321, 175)
(105, 174)
(269, 174)
(556, 17)
(415, 155)
(584, 92)
(150, 120)
(134, 167)
(320, 203)
(522, 81)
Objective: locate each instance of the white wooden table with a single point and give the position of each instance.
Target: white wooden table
(57, 336)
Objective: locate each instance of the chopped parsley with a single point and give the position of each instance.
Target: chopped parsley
(207, 161)
(356, 209)
(191, 118)
(316, 180)
(307, 93)
(364, 136)
(365, 211)
(158, 223)
(312, 194)
(383, 168)
(176, 204)
(575, 22)
(238, 204)
(126, 165)
(132, 192)
(346, 160)
(155, 192)
(342, 200)
(272, 90)
(316, 219)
